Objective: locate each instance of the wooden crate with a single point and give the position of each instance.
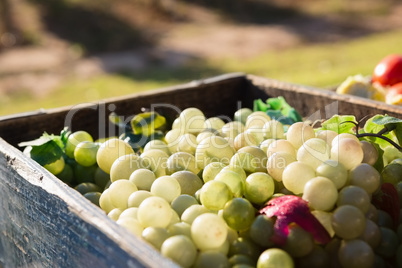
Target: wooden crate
(44, 223)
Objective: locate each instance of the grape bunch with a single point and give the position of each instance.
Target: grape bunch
(264, 190)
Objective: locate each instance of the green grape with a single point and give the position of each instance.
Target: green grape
(261, 231)
(260, 157)
(182, 202)
(208, 231)
(214, 195)
(56, 167)
(192, 120)
(366, 177)
(192, 212)
(313, 152)
(325, 218)
(371, 234)
(245, 160)
(257, 119)
(296, 175)
(174, 218)
(392, 173)
(157, 144)
(384, 219)
(67, 174)
(334, 171)
(187, 143)
(388, 244)
(282, 146)
(372, 213)
(213, 149)
(101, 178)
(347, 151)
(120, 191)
(214, 123)
(370, 153)
(125, 165)
(275, 257)
(242, 114)
(259, 187)
(154, 212)
(211, 170)
(132, 225)
(157, 160)
(348, 222)
(189, 182)
(85, 153)
(180, 228)
(299, 242)
(273, 130)
(355, 253)
(257, 132)
(142, 178)
(86, 187)
(104, 201)
(239, 214)
(241, 259)
(84, 174)
(206, 133)
(246, 247)
(155, 236)
(211, 258)
(115, 213)
(320, 193)
(264, 145)
(109, 151)
(342, 136)
(298, 133)
(93, 197)
(245, 139)
(135, 199)
(317, 258)
(166, 187)
(277, 163)
(232, 129)
(233, 181)
(74, 139)
(240, 171)
(355, 196)
(326, 135)
(130, 212)
(181, 161)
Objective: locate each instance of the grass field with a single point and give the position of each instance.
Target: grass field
(317, 65)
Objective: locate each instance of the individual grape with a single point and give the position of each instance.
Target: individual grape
(180, 249)
(320, 193)
(264, 145)
(257, 119)
(275, 257)
(296, 175)
(67, 174)
(214, 195)
(101, 178)
(239, 214)
(166, 187)
(181, 161)
(157, 144)
(298, 133)
(299, 242)
(154, 212)
(93, 197)
(259, 156)
(347, 151)
(208, 231)
(384, 219)
(246, 161)
(192, 212)
(86, 187)
(241, 259)
(115, 213)
(390, 154)
(192, 120)
(130, 212)
(155, 236)
(392, 173)
(233, 181)
(187, 143)
(334, 171)
(214, 123)
(85, 153)
(355, 196)
(84, 174)
(259, 187)
(245, 139)
(283, 146)
(74, 139)
(189, 182)
(355, 253)
(273, 130)
(132, 225)
(142, 178)
(157, 160)
(348, 222)
(182, 202)
(109, 151)
(325, 218)
(371, 234)
(239, 170)
(242, 114)
(372, 213)
(213, 149)
(135, 199)
(388, 244)
(211, 170)
(370, 153)
(277, 163)
(174, 219)
(125, 165)
(211, 258)
(327, 136)
(180, 228)
(261, 231)
(317, 258)
(232, 129)
(257, 132)
(172, 139)
(56, 167)
(206, 133)
(119, 192)
(104, 201)
(313, 152)
(366, 177)
(342, 136)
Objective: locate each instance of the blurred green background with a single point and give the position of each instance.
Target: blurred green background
(63, 52)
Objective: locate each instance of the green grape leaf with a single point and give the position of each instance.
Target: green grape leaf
(391, 123)
(340, 124)
(64, 135)
(46, 153)
(119, 122)
(373, 125)
(260, 106)
(147, 123)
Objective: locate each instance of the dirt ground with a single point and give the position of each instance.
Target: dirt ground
(40, 69)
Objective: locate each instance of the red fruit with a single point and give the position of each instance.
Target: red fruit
(388, 71)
